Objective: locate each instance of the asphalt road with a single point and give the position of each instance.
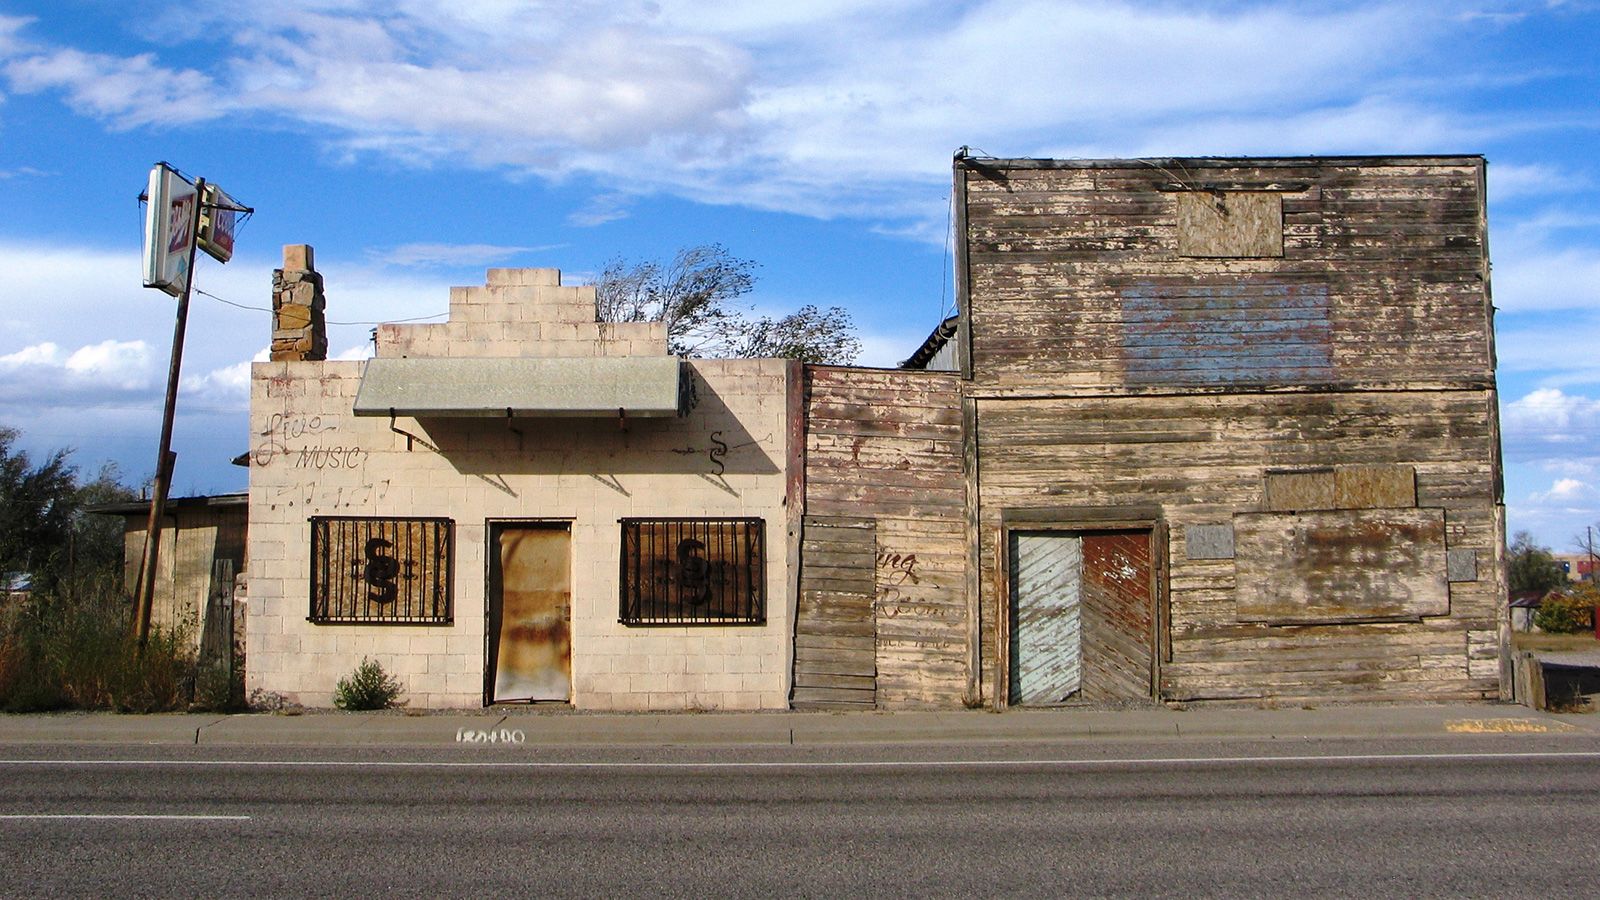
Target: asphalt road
(1472, 816)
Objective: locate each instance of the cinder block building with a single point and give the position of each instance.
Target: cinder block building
(519, 504)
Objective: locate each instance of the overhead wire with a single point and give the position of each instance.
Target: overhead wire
(329, 321)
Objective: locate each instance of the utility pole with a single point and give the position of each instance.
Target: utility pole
(165, 458)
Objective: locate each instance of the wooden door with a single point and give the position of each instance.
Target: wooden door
(1046, 617)
(1082, 617)
(835, 632)
(530, 614)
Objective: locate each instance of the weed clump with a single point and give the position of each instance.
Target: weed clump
(368, 687)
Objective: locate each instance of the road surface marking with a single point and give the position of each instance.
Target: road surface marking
(1505, 726)
(120, 816)
(820, 764)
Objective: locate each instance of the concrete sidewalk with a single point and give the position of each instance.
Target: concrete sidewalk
(535, 728)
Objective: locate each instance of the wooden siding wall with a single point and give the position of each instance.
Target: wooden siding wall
(885, 445)
(191, 543)
(1076, 281)
(1200, 460)
(1111, 373)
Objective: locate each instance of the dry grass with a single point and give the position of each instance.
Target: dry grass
(1585, 640)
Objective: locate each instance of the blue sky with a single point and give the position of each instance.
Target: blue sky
(413, 147)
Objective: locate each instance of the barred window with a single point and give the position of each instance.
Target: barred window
(380, 571)
(693, 572)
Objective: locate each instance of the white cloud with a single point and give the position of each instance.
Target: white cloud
(46, 354)
(1540, 277)
(220, 386)
(111, 371)
(423, 254)
(1510, 180)
(601, 209)
(124, 91)
(1567, 491)
(1550, 417)
(819, 108)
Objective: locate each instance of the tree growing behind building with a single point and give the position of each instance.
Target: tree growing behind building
(699, 295)
(1530, 567)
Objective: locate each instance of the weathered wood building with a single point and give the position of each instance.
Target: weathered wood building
(1219, 429)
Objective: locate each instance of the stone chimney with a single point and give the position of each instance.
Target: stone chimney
(299, 330)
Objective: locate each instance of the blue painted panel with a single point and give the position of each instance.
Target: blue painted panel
(1046, 628)
(1235, 333)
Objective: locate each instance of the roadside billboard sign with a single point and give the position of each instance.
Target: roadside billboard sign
(168, 229)
(218, 214)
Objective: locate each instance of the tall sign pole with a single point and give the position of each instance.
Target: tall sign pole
(164, 456)
(180, 219)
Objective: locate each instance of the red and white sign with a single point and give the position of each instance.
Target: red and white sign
(217, 218)
(168, 230)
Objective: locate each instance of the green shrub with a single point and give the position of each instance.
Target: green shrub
(1567, 613)
(368, 687)
(72, 647)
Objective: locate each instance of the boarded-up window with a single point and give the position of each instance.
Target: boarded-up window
(693, 572)
(1221, 224)
(1340, 566)
(1225, 330)
(383, 571)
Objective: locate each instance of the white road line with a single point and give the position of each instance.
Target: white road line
(814, 764)
(158, 818)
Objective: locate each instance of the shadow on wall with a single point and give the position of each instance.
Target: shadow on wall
(710, 441)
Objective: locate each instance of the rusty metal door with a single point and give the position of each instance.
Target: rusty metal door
(530, 613)
(1082, 617)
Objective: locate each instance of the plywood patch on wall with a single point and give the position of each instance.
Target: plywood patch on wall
(1340, 566)
(1374, 487)
(1230, 224)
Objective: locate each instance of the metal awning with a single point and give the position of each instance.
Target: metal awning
(566, 386)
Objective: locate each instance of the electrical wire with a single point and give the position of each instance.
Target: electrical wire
(328, 321)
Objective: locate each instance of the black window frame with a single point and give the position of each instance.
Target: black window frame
(736, 600)
(325, 609)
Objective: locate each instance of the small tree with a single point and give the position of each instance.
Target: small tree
(36, 507)
(698, 296)
(1569, 612)
(1530, 567)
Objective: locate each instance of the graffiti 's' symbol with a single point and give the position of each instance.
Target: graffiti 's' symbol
(694, 572)
(380, 572)
(718, 452)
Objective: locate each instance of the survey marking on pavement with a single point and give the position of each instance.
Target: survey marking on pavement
(1505, 726)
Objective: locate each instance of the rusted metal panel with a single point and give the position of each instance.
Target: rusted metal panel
(1047, 617)
(530, 614)
(1374, 486)
(1340, 566)
(1119, 616)
(1230, 223)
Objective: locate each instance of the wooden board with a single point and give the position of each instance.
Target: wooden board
(1046, 617)
(886, 446)
(835, 650)
(1340, 566)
